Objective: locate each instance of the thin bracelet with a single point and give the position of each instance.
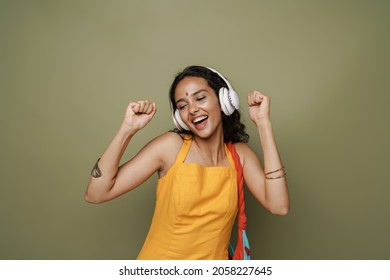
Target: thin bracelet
(272, 178)
(274, 171)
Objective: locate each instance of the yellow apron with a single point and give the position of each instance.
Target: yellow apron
(195, 211)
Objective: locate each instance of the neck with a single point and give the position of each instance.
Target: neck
(211, 149)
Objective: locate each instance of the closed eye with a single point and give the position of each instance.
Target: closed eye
(181, 106)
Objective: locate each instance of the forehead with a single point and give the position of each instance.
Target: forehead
(190, 85)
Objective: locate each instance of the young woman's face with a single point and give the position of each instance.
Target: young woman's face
(198, 106)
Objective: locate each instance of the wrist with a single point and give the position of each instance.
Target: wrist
(264, 123)
(126, 131)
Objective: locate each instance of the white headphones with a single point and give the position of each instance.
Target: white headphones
(228, 99)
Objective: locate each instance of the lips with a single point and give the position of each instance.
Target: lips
(200, 121)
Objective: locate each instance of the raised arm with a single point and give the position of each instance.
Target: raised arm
(108, 180)
(269, 186)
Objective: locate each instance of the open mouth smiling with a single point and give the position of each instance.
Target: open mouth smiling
(200, 119)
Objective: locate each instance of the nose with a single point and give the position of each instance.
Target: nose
(193, 108)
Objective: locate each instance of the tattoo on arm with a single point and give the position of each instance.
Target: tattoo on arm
(96, 173)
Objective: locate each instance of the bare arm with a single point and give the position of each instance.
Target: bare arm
(269, 186)
(111, 180)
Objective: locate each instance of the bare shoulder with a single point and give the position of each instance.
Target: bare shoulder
(169, 138)
(166, 146)
(244, 151)
(166, 143)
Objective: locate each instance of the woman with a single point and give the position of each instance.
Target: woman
(197, 188)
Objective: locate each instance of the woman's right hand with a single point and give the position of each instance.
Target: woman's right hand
(138, 115)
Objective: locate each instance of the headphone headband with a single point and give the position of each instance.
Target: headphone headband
(222, 77)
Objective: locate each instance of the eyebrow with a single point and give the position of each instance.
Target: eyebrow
(192, 94)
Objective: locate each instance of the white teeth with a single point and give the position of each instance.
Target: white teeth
(199, 119)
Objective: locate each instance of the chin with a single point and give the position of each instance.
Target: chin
(206, 134)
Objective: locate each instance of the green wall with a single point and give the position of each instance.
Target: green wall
(69, 68)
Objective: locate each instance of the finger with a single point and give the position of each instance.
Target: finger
(265, 99)
(134, 107)
(143, 104)
(251, 98)
(149, 108)
(254, 98)
(259, 97)
(154, 108)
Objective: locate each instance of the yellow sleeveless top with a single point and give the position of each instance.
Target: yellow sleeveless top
(195, 211)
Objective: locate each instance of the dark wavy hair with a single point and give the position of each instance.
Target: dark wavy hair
(233, 128)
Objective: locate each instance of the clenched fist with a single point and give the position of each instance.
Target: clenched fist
(259, 106)
(138, 115)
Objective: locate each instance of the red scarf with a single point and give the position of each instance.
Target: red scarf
(242, 251)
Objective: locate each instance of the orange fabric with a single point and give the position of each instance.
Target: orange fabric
(195, 211)
(241, 223)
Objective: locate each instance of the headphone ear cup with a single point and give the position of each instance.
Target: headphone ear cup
(225, 102)
(222, 101)
(233, 98)
(179, 122)
(175, 121)
(228, 98)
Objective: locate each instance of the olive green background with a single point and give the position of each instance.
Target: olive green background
(69, 68)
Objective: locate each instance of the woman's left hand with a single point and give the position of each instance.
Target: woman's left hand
(259, 107)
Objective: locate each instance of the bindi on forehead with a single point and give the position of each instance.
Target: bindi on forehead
(192, 94)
